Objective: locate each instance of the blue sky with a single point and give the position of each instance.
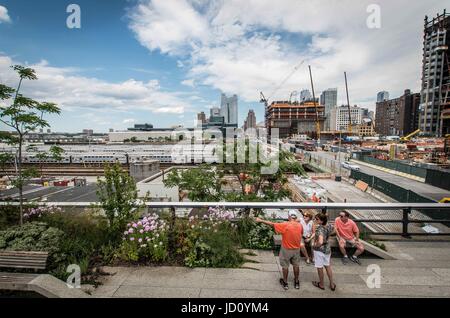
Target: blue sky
(161, 62)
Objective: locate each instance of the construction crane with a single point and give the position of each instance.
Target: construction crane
(409, 136)
(350, 124)
(315, 106)
(265, 100)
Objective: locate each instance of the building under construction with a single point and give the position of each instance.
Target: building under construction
(295, 118)
(435, 94)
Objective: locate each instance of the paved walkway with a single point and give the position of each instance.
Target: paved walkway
(421, 270)
(421, 188)
(339, 191)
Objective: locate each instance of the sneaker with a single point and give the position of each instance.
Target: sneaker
(297, 285)
(355, 260)
(345, 260)
(284, 284)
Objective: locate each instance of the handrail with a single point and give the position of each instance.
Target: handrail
(257, 205)
(406, 209)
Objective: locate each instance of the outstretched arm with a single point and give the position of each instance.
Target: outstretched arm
(264, 221)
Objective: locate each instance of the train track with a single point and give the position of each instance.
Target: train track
(65, 169)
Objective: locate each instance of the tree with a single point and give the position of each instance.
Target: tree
(118, 196)
(23, 116)
(205, 182)
(55, 153)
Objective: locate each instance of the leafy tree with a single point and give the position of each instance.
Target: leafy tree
(54, 153)
(118, 196)
(23, 116)
(205, 183)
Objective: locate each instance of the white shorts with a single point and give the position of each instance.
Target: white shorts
(321, 259)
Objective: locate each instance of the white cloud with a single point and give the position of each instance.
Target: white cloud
(128, 121)
(74, 92)
(188, 82)
(4, 17)
(247, 46)
(168, 25)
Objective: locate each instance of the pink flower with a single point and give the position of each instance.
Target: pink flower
(141, 231)
(130, 230)
(134, 225)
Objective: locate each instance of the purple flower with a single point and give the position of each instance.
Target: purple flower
(140, 240)
(131, 238)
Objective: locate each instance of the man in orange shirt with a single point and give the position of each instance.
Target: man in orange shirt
(291, 236)
(347, 232)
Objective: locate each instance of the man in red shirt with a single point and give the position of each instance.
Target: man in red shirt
(291, 238)
(347, 232)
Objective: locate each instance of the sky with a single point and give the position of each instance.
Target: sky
(163, 61)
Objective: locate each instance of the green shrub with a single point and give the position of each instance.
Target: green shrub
(209, 242)
(34, 236)
(255, 235)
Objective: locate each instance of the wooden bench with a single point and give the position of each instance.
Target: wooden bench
(23, 259)
(369, 248)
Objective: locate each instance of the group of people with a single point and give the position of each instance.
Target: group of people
(304, 230)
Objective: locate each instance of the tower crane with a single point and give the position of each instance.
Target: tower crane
(265, 100)
(315, 106)
(348, 105)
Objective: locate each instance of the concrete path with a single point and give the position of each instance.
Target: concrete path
(421, 270)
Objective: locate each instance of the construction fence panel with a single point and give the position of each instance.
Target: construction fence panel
(397, 193)
(438, 178)
(396, 165)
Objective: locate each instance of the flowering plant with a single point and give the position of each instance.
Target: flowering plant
(36, 213)
(145, 239)
(209, 239)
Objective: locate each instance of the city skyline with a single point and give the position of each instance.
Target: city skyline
(117, 71)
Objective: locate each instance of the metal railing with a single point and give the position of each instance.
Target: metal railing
(406, 209)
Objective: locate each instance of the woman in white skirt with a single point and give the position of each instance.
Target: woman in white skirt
(322, 250)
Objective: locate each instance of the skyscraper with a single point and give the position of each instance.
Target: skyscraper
(214, 112)
(229, 109)
(250, 122)
(328, 98)
(434, 117)
(397, 116)
(201, 119)
(382, 96)
(305, 95)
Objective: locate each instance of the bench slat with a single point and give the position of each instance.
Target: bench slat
(23, 253)
(23, 259)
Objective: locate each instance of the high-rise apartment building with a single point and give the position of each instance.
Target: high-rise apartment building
(328, 98)
(305, 95)
(214, 112)
(435, 91)
(229, 109)
(398, 116)
(201, 119)
(250, 122)
(339, 119)
(382, 96)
